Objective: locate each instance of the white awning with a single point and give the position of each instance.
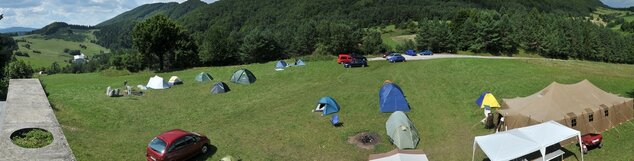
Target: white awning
(518, 142)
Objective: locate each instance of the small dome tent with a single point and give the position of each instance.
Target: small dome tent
(243, 76)
(280, 64)
(401, 131)
(203, 77)
(299, 62)
(157, 82)
(174, 80)
(220, 87)
(391, 98)
(327, 105)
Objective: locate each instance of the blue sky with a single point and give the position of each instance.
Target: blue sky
(619, 3)
(39, 13)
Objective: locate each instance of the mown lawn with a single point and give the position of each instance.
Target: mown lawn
(272, 119)
(52, 50)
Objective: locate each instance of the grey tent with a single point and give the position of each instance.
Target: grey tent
(203, 77)
(401, 131)
(220, 87)
(243, 76)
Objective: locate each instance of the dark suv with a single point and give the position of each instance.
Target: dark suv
(357, 60)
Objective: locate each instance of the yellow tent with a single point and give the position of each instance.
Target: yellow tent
(487, 99)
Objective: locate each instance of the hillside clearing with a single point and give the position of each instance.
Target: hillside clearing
(52, 50)
(271, 119)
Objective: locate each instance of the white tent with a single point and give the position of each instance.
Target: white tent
(157, 82)
(400, 155)
(518, 142)
(174, 80)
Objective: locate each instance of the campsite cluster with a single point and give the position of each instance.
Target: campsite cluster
(533, 127)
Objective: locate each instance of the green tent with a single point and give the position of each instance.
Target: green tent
(203, 77)
(243, 76)
(401, 131)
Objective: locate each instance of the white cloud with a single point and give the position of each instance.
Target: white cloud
(38, 13)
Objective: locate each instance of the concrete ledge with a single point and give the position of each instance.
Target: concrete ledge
(27, 107)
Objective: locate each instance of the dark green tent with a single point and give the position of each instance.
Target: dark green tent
(243, 76)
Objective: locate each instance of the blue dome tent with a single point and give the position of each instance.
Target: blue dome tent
(391, 98)
(327, 105)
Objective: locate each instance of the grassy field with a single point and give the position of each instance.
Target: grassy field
(271, 119)
(52, 50)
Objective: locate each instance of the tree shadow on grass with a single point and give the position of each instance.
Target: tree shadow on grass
(202, 157)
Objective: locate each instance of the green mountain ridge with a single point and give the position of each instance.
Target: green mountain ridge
(244, 15)
(172, 10)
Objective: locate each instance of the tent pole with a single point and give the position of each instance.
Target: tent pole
(543, 151)
(474, 147)
(580, 146)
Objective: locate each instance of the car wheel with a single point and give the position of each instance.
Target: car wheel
(600, 145)
(584, 150)
(204, 149)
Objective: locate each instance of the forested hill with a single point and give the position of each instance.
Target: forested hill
(362, 12)
(172, 10)
(115, 32)
(236, 14)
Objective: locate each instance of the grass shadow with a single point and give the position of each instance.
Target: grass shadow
(569, 153)
(630, 94)
(202, 157)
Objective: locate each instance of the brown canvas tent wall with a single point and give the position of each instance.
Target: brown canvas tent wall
(581, 106)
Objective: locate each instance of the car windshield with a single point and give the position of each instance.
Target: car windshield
(157, 145)
(396, 54)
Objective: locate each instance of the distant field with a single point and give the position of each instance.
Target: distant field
(52, 50)
(605, 11)
(271, 119)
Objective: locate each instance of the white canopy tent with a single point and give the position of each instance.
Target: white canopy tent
(518, 142)
(400, 155)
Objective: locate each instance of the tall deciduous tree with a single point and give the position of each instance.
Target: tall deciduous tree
(163, 44)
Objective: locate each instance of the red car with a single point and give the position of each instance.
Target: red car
(176, 145)
(344, 58)
(590, 141)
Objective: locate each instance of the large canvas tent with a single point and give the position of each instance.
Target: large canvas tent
(203, 77)
(243, 76)
(400, 155)
(401, 131)
(487, 99)
(327, 105)
(519, 142)
(157, 82)
(220, 87)
(391, 98)
(581, 106)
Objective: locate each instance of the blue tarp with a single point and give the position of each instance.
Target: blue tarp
(329, 105)
(280, 64)
(410, 52)
(391, 98)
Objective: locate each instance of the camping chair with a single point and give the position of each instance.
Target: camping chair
(335, 120)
